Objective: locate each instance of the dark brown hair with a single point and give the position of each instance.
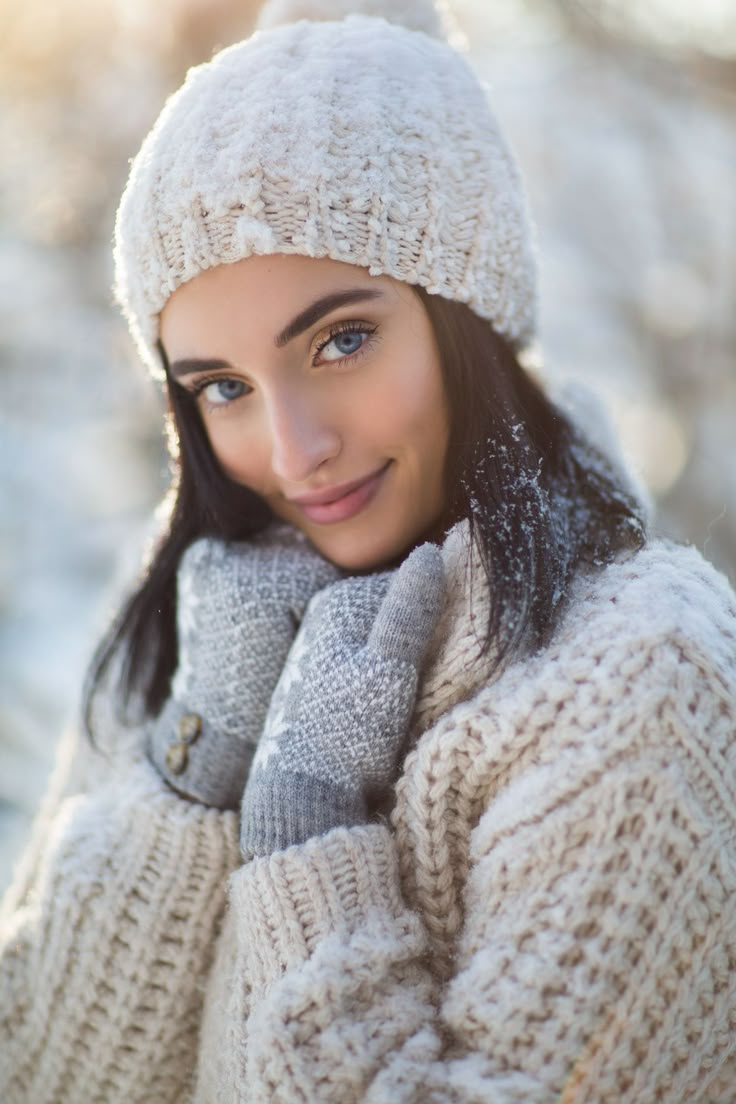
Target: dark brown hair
(540, 500)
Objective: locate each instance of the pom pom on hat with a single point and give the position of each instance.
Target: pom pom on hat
(415, 15)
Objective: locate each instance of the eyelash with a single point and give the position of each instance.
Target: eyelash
(196, 389)
(335, 330)
(345, 328)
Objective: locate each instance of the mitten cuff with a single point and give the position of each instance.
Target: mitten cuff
(281, 809)
(198, 761)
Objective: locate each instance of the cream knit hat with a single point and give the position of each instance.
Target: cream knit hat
(360, 137)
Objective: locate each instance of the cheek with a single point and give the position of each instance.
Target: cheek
(412, 414)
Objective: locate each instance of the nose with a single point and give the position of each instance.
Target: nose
(303, 437)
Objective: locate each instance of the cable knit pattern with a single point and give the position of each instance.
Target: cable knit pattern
(354, 139)
(104, 957)
(550, 917)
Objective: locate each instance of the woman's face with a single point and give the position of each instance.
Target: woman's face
(321, 390)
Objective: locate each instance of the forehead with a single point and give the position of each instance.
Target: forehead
(257, 297)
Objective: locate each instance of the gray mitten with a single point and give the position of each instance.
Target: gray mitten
(239, 606)
(341, 710)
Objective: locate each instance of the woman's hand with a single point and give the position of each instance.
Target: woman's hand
(340, 713)
(239, 606)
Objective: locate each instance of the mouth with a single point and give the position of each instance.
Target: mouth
(341, 502)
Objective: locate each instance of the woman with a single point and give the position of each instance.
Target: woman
(422, 787)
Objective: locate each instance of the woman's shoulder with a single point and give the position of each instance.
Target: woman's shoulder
(639, 676)
(663, 594)
(643, 639)
(662, 608)
(646, 649)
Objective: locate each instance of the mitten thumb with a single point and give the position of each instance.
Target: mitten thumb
(408, 614)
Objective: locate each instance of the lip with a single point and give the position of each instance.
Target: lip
(342, 501)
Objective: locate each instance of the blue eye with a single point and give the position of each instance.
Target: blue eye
(222, 391)
(343, 345)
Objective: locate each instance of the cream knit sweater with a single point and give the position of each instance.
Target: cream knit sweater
(549, 917)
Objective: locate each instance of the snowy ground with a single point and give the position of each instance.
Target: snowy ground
(629, 162)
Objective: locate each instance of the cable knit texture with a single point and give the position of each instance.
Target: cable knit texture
(549, 917)
(354, 139)
(106, 943)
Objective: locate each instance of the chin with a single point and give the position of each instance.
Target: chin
(355, 555)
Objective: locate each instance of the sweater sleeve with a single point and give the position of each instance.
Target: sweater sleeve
(106, 938)
(595, 961)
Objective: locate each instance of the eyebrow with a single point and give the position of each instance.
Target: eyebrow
(319, 308)
(306, 318)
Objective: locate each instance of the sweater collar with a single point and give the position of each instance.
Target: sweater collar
(455, 666)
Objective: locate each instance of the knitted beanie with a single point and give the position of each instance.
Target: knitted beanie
(360, 137)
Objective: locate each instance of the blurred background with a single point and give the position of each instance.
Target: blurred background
(623, 116)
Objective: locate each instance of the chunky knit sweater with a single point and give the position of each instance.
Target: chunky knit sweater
(549, 915)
